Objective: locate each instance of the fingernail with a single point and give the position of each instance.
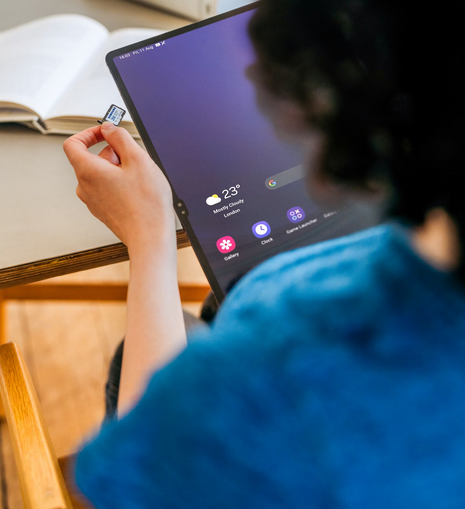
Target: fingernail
(106, 126)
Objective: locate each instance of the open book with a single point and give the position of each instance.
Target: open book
(198, 9)
(53, 75)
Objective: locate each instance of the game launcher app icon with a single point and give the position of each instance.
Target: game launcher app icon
(226, 245)
(296, 214)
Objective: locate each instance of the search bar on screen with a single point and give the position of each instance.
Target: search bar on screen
(285, 177)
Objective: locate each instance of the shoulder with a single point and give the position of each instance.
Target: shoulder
(321, 262)
(302, 288)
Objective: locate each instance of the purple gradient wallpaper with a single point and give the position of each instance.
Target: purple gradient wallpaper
(199, 111)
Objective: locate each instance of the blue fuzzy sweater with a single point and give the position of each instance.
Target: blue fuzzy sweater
(333, 377)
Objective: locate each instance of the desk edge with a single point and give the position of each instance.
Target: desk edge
(74, 262)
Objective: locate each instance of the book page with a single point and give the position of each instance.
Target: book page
(39, 60)
(15, 115)
(94, 91)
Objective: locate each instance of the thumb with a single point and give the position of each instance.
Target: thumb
(120, 141)
(109, 154)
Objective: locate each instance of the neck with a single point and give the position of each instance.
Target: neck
(437, 241)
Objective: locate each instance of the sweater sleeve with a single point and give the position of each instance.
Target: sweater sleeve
(204, 435)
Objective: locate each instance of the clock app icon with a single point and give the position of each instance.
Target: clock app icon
(261, 229)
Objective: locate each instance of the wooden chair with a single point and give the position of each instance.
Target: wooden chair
(109, 292)
(40, 473)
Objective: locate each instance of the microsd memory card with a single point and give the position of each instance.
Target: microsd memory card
(114, 115)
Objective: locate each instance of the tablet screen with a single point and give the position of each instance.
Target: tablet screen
(239, 191)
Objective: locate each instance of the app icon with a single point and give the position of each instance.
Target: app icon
(272, 183)
(296, 214)
(226, 244)
(261, 229)
(213, 200)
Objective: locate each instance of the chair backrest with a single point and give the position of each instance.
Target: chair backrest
(42, 482)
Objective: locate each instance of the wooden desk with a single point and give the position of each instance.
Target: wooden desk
(45, 231)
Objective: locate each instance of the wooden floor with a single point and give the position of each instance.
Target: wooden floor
(67, 347)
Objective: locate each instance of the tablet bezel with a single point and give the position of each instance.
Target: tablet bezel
(179, 206)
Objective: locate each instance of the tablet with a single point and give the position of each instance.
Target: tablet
(239, 191)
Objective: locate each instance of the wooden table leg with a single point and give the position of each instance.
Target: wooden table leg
(2, 338)
(2, 318)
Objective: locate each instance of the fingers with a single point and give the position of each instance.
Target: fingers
(109, 155)
(121, 142)
(76, 147)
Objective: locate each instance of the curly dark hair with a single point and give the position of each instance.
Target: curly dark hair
(384, 80)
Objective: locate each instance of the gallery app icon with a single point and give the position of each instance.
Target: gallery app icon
(226, 244)
(296, 214)
(261, 229)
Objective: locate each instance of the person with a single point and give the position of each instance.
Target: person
(333, 376)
